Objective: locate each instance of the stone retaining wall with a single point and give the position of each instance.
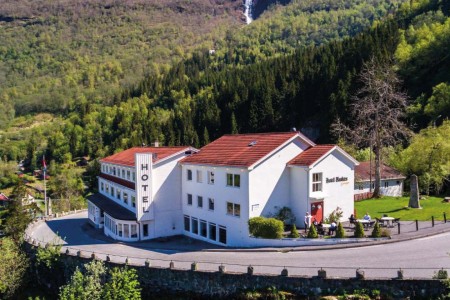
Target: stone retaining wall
(222, 284)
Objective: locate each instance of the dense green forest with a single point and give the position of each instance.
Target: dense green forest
(204, 95)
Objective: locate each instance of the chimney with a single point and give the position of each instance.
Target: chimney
(156, 143)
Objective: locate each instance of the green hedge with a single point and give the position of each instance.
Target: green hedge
(268, 228)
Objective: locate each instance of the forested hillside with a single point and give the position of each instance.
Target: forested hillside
(56, 54)
(202, 97)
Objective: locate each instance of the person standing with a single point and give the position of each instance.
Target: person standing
(307, 220)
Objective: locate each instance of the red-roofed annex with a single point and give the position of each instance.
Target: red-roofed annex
(211, 193)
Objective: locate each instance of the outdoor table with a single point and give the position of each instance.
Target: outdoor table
(326, 225)
(387, 220)
(365, 223)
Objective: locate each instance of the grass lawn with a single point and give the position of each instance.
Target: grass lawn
(398, 208)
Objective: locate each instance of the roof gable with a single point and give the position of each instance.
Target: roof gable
(127, 157)
(362, 172)
(242, 150)
(313, 155)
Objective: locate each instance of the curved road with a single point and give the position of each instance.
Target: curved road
(418, 258)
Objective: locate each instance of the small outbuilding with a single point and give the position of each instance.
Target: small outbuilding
(392, 181)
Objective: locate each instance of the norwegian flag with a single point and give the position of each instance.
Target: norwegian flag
(44, 165)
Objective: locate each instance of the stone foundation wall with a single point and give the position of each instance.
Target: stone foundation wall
(163, 281)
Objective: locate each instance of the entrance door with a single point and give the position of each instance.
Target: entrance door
(317, 211)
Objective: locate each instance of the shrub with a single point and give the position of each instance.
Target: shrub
(385, 233)
(376, 232)
(340, 232)
(312, 233)
(359, 230)
(334, 216)
(294, 232)
(441, 274)
(268, 228)
(285, 214)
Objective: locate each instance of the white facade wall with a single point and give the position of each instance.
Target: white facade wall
(236, 227)
(107, 192)
(394, 187)
(299, 193)
(94, 215)
(113, 231)
(335, 194)
(269, 189)
(168, 216)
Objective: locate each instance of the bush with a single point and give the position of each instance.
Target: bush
(285, 214)
(294, 232)
(385, 233)
(312, 233)
(268, 228)
(359, 230)
(340, 232)
(335, 216)
(376, 232)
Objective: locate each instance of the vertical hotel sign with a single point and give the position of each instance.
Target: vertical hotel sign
(144, 200)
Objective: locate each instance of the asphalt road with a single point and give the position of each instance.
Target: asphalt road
(419, 258)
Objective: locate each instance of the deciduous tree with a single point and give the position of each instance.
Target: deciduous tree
(377, 113)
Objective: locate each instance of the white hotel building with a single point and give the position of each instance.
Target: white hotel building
(211, 194)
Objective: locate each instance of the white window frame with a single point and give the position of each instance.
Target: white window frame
(235, 209)
(210, 177)
(317, 182)
(233, 180)
(189, 175)
(199, 174)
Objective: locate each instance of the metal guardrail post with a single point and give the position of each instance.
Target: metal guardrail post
(432, 221)
(445, 218)
(398, 227)
(417, 225)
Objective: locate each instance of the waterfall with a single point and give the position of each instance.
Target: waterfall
(248, 11)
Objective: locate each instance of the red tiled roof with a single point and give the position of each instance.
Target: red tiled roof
(362, 172)
(127, 157)
(311, 155)
(241, 150)
(120, 181)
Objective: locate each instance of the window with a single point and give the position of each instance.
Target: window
(233, 180)
(203, 231)
(187, 223)
(199, 201)
(125, 198)
(118, 193)
(102, 186)
(107, 188)
(317, 182)
(119, 227)
(128, 174)
(123, 173)
(222, 234)
(359, 186)
(212, 231)
(126, 230)
(112, 191)
(194, 226)
(145, 229)
(134, 176)
(133, 231)
(189, 199)
(386, 184)
(199, 176)
(114, 171)
(210, 203)
(255, 207)
(133, 201)
(189, 174)
(210, 177)
(233, 209)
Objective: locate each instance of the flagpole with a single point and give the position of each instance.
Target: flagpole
(45, 188)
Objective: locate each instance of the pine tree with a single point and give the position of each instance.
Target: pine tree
(294, 232)
(376, 233)
(312, 233)
(340, 232)
(359, 230)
